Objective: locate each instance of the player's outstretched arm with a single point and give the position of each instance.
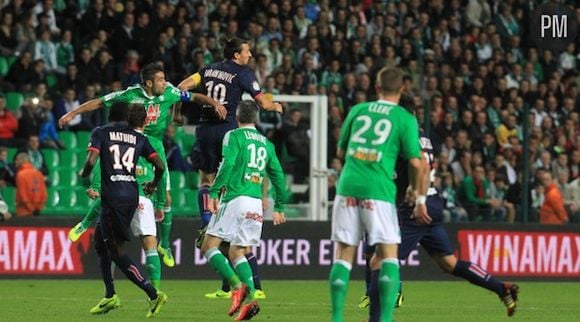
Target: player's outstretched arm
(268, 105)
(83, 108)
(190, 82)
(206, 100)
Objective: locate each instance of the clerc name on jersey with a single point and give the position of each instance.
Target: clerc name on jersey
(219, 74)
(255, 136)
(123, 137)
(122, 177)
(380, 108)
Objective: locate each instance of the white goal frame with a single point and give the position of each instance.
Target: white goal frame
(317, 209)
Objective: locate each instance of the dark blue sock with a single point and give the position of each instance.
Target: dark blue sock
(107, 274)
(478, 276)
(225, 285)
(374, 297)
(132, 271)
(203, 202)
(253, 261)
(367, 274)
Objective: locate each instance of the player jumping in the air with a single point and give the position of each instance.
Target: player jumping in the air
(225, 81)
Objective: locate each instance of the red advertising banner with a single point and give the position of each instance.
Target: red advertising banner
(522, 253)
(41, 250)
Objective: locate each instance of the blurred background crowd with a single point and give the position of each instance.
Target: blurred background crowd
(469, 63)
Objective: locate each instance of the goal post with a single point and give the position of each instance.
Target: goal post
(315, 107)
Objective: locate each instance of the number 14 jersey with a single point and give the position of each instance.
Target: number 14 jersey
(119, 147)
(373, 136)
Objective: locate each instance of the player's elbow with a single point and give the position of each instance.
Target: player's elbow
(416, 165)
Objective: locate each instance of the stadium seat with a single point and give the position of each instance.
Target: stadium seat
(83, 202)
(9, 195)
(68, 159)
(68, 178)
(52, 200)
(67, 201)
(51, 158)
(83, 138)
(184, 203)
(4, 66)
(186, 142)
(192, 179)
(69, 139)
(53, 177)
(177, 180)
(14, 100)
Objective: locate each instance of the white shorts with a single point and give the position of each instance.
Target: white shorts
(238, 221)
(351, 217)
(143, 222)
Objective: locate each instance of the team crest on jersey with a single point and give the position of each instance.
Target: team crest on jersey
(255, 86)
(152, 114)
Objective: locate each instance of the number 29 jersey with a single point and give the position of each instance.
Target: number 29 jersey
(373, 136)
(119, 147)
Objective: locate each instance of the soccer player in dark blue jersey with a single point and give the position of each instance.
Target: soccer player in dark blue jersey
(119, 145)
(431, 235)
(225, 81)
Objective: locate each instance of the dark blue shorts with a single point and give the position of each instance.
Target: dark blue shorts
(207, 152)
(433, 238)
(115, 223)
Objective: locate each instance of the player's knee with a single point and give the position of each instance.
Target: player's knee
(447, 263)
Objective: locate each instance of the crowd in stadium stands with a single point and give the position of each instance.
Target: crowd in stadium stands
(471, 62)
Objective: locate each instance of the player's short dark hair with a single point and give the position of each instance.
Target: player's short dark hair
(247, 112)
(148, 72)
(406, 101)
(137, 115)
(390, 80)
(118, 112)
(231, 46)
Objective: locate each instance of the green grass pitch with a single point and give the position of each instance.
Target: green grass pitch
(70, 300)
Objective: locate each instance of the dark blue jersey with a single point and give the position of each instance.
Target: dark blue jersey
(225, 82)
(119, 148)
(434, 203)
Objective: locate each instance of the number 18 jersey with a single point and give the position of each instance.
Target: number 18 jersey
(247, 157)
(373, 136)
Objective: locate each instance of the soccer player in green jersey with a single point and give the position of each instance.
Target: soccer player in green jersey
(158, 97)
(247, 158)
(373, 136)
